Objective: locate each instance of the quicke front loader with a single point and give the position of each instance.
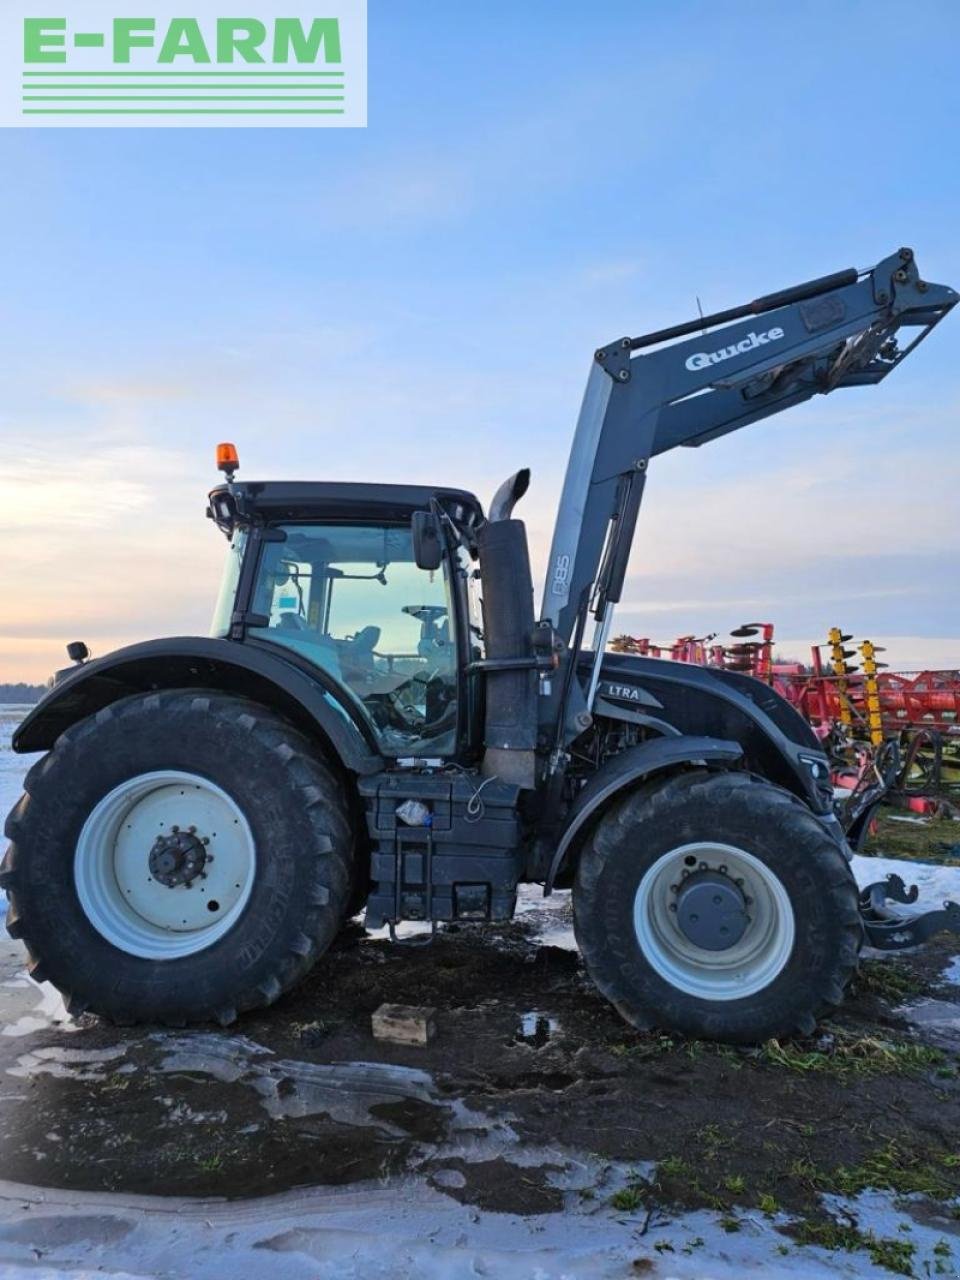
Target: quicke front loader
(380, 720)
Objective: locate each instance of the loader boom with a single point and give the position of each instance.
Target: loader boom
(700, 383)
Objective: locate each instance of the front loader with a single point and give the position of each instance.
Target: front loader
(380, 721)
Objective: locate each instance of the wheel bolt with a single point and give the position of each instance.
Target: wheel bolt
(175, 829)
(674, 888)
(205, 840)
(722, 870)
(672, 906)
(704, 867)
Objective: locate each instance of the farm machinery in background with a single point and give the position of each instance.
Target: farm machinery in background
(893, 737)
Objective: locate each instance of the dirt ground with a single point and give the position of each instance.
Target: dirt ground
(530, 1072)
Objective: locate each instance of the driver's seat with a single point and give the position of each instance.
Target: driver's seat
(365, 641)
(357, 653)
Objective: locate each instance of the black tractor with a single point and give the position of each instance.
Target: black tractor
(381, 721)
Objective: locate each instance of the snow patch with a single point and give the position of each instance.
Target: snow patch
(49, 1011)
(935, 882)
(375, 1233)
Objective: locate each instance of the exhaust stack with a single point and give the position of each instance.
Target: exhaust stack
(510, 727)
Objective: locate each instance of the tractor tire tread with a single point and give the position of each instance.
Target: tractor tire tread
(317, 792)
(602, 934)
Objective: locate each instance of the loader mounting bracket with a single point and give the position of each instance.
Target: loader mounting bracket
(888, 931)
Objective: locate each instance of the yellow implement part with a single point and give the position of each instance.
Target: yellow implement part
(841, 671)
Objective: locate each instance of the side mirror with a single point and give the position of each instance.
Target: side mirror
(427, 543)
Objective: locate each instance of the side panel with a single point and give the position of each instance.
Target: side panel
(197, 661)
(777, 742)
(627, 768)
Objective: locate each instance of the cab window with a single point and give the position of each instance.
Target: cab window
(352, 601)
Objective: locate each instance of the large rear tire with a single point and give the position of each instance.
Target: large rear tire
(781, 943)
(179, 857)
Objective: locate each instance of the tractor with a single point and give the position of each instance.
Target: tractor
(381, 721)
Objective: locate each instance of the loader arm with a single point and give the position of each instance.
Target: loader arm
(694, 382)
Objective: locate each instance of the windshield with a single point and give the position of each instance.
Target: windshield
(223, 610)
(352, 601)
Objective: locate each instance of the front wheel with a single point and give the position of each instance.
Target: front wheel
(717, 906)
(179, 857)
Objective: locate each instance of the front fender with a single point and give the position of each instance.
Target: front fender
(201, 662)
(629, 767)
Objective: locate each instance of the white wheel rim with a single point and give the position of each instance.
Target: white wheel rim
(745, 968)
(125, 903)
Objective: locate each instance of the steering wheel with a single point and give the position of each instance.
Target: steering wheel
(425, 612)
(292, 622)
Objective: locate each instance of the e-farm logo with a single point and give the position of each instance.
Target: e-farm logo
(277, 63)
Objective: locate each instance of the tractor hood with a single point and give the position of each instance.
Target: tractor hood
(678, 697)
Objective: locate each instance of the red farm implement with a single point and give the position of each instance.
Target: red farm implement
(899, 726)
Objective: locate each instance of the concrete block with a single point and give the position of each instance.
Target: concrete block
(404, 1024)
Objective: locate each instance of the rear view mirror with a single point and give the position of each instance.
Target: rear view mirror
(427, 543)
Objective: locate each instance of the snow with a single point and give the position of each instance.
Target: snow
(935, 882)
(12, 767)
(371, 1232)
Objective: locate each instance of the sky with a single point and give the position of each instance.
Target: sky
(420, 301)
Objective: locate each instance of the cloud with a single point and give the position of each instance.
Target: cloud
(126, 391)
(105, 544)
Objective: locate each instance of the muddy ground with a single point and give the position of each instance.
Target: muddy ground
(533, 1094)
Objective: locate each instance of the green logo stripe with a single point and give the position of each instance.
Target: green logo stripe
(188, 97)
(98, 91)
(82, 86)
(183, 111)
(183, 73)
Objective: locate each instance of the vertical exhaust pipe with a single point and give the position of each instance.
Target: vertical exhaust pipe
(510, 725)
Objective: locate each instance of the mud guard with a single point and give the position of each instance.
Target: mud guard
(629, 767)
(185, 662)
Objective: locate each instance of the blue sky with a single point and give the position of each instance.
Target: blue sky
(419, 300)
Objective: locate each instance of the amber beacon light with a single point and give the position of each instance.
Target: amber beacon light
(227, 459)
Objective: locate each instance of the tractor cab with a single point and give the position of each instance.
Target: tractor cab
(329, 574)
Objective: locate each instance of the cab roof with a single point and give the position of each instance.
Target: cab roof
(276, 500)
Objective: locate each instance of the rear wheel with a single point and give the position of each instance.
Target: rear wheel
(717, 906)
(179, 857)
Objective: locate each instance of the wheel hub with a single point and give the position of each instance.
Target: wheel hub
(711, 910)
(179, 858)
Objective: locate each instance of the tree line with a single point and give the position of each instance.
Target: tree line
(22, 692)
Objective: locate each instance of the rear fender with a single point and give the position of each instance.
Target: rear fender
(200, 662)
(631, 766)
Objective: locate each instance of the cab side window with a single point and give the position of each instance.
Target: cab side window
(352, 601)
